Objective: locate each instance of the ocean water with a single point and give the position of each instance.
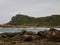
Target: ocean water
(12, 30)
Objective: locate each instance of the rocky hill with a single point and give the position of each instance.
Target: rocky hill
(24, 20)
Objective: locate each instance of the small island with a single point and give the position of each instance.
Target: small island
(21, 20)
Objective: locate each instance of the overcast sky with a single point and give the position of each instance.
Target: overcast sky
(35, 8)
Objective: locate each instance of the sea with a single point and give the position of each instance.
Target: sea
(14, 30)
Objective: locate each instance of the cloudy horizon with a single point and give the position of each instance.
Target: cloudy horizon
(34, 8)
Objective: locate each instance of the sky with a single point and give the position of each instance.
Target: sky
(34, 8)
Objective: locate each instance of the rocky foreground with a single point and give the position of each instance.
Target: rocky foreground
(46, 37)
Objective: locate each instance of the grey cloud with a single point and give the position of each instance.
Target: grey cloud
(36, 8)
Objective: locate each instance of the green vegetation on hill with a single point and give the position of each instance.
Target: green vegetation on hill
(24, 20)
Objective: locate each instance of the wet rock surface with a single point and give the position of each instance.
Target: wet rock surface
(46, 37)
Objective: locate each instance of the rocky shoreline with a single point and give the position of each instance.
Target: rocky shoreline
(46, 37)
(22, 26)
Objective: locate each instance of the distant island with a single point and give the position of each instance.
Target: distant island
(21, 20)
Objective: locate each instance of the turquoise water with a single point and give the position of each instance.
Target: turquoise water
(12, 30)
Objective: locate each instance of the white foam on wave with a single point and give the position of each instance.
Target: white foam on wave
(1, 32)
